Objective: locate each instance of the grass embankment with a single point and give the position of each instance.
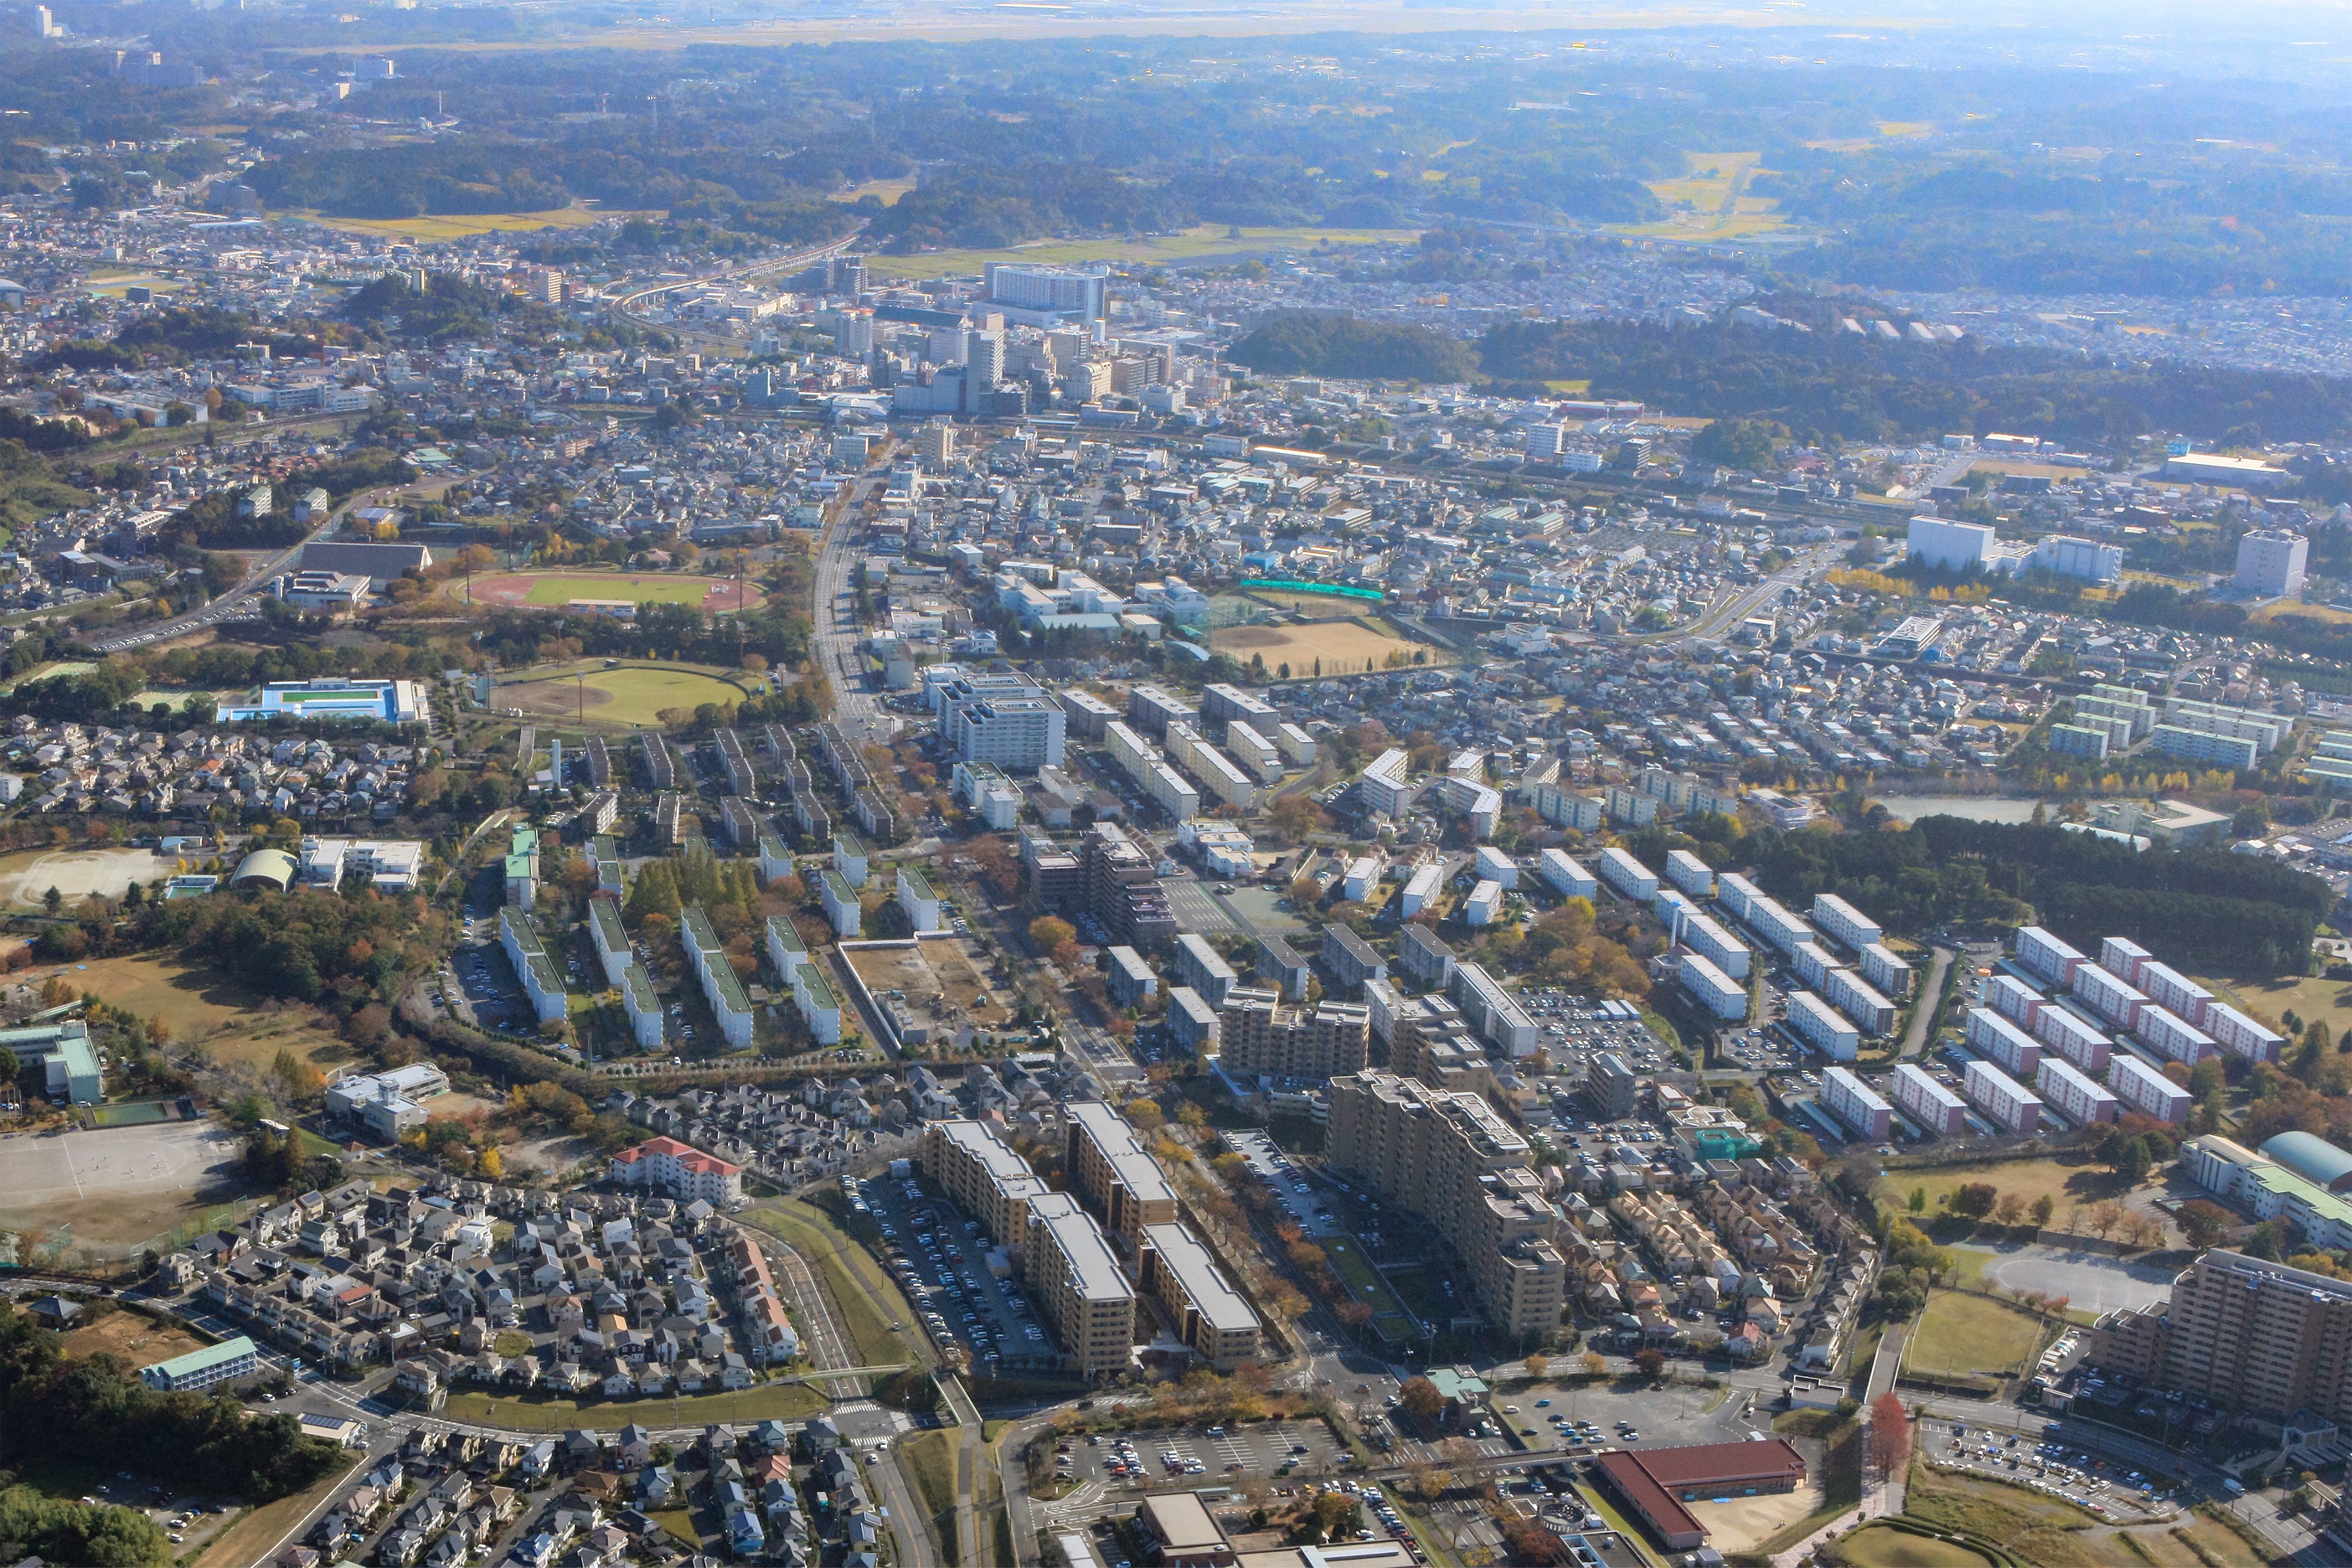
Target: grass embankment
(1883, 1546)
(930, 1460)
(862, 1290)
(259, 1532)
(2029, 1526)
(765, 1401)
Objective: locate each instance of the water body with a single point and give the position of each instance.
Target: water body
(1975, 807)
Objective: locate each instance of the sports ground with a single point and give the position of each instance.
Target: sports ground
(614, 589)
(632, 695)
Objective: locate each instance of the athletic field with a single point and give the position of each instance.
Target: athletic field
(613, 591)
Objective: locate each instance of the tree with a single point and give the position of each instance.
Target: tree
(1890, 1435)
(1538, 1364)
(2205, 1223)
(1595, 1364)
(2044, 1207)
(52, 899)
(1419, 1399)
(1975, 1200)
(1048, 932)
(2106, 1215)
(1650, 1362)
(1145, 1115)
(2011, 1209)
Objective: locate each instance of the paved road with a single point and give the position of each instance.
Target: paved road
(838, 634)
(1915, 1038)
(227, 606)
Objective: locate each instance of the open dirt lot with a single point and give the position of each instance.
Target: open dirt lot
(1342, 646)
(134, 1338)
(76, 874)
(2092, 1281)
(937, 969)
(120, 1185)
(1738, 1524)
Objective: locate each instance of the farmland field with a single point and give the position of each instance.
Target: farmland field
(1341, 646)
(457, 225)
(1204, 242)
(634, 694)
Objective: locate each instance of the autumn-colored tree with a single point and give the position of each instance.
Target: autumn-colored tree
(1538, 1364)
(1650, 1362)
(1595, 1364)
(2044, 1207)
(1890, 1435)
(1419, 1399)
(1975, 1200)
(1145, 1115)
(2106, 1215)
(1049, 933)
(2204, 1223)
(2011, 1209)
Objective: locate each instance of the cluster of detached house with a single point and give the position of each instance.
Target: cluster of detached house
(789, 1496)
(619, 1294)
(81, 768)
(1744, 1240)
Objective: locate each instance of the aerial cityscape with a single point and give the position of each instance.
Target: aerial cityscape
(1129, 786)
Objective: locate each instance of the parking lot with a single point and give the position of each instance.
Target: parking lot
(1579, 1418)
(2109, 1489)
(1218, 1453)
(941, 1259)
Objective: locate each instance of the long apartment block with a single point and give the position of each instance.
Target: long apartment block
(1078, 1284)
(1177, 1273)
(1452, 1160)
(1112, 1174)
(976, 1167)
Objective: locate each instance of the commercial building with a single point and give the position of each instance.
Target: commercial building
(2143, 1088)
(1078, 1287)
(2072, 1094)
(2272, 563)
(1451, 1159)
(678, 1169)
(1856, 1105)
(1653, 1484)
(233, 1358)
(1111, 1172)
(1937, 1110)
(1948, 546)
(1178, 1274)
(1259, 1036)
(1819, 1026)
(2009, 1103)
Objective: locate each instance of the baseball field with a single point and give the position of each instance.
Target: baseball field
(632, 695)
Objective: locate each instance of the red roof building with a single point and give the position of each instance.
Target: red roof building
(680, 1170)
(1655, 1485)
